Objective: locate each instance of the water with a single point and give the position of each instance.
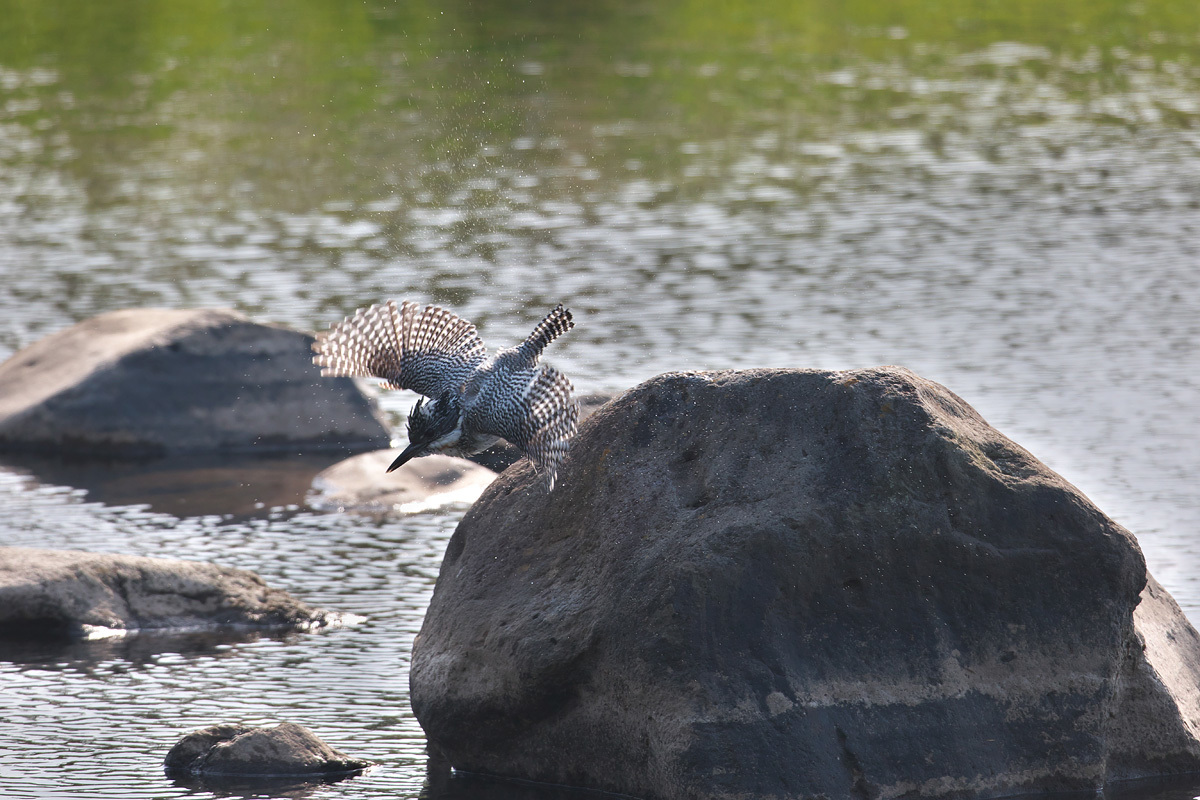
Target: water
(1004, 200)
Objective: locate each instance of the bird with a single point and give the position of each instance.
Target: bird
(471, 399)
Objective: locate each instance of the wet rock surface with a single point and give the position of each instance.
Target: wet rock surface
(796, 584)
(243, 752)
(152, 381)
(362, 483)
(53, 595)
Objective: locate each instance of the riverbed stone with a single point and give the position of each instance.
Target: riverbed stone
(142, 382)
(70, 594)
(802, 584)
(243, 751)
(362, 483)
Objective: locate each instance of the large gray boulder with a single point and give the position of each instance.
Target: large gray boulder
(70, 594)
(154, 381)
(802, 584)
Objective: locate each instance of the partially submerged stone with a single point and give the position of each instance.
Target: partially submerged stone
(362, 483)
(241, 751)
(802, 584)
(153, 381)
(68, 594)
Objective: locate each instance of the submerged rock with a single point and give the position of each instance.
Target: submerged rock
(153, 381)
(362, 483)
(67, 594)
(802, 584)
(240, 752)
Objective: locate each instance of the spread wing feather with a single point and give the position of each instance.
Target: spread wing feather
(428, 350)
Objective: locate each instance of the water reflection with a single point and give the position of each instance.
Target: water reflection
(139, 649)
(189, 485)
(290, 788)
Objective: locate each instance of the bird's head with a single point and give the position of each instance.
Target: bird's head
(432, 428)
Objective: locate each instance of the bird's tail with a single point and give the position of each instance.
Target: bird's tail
(556, 323)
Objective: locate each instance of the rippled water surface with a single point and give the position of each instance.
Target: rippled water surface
(1002, 197)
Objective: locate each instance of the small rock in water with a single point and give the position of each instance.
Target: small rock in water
(362, 483)
(241, 752)
(68, 594)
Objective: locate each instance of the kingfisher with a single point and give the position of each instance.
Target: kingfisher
(471, 399)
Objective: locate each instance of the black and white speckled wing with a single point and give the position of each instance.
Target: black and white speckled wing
(550, 416)
(428, 350)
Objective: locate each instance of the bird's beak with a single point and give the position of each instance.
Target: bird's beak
(409, 453)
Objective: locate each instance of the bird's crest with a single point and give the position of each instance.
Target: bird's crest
(428, 421)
